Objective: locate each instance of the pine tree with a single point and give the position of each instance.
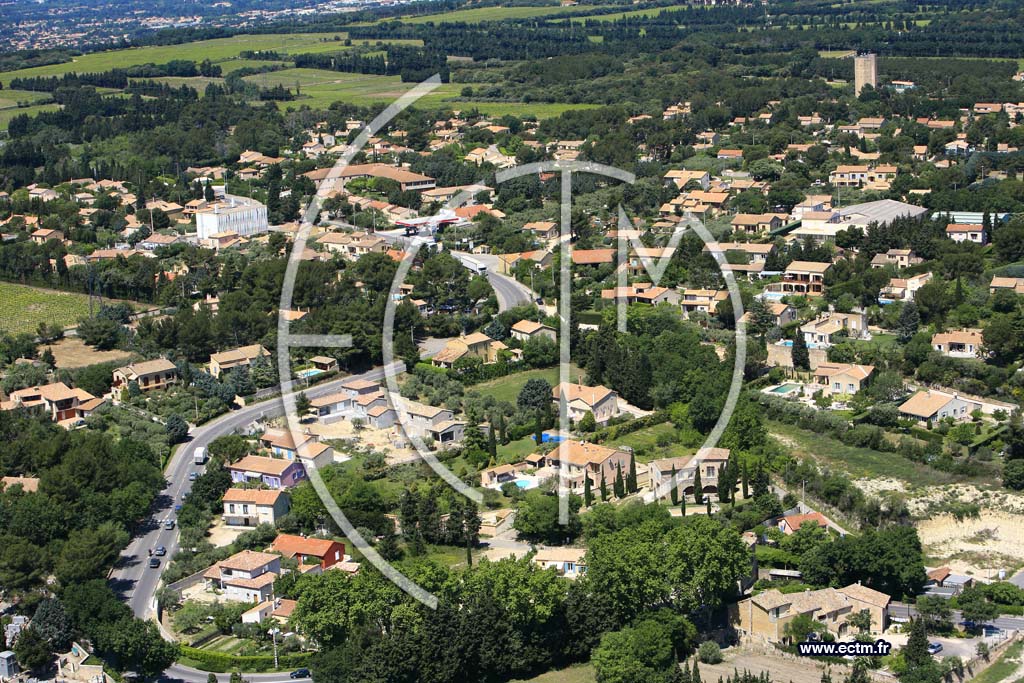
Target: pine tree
(675, 487)
(604, 488)
(631, 477)
(698, 489)
(588, 495)
(696, 672)
(619, 487)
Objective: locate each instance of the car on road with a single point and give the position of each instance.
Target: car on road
(160, 551)
(154, 563)
(192, 476)
(177, 508)
(934, 648)
(168, 524)
(299, 673)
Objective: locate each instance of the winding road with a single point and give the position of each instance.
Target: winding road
(132, 578)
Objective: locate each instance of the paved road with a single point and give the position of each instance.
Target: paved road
(509, 291)
(132, 578)
(1009, 623)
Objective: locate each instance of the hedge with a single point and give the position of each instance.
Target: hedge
(220, 662)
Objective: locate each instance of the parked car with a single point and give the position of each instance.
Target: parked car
(299, 673)
(154, 562)
(192, 476)
(168, 524)
(160, 551)
(934, 648)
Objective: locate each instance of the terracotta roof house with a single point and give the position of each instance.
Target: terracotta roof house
(842, 378)
(967, 232)
(243, 356)
(791, 523)
(568, 562)
(600, 401)
(150, 374)
(247, 576)
(766, 615)
(476, 345)
(925, 406)
(316, 551)
(966, 343)
(252, 507)
(592, 257)
(273, 473)
(66, 406)
(525, 330)
(581, 459)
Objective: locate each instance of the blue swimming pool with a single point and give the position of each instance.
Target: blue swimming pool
(524, 484)
(550, 438)
(309, 372)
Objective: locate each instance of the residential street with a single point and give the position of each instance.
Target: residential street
(132, 578)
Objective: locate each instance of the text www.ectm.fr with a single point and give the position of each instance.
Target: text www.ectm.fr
(879, 648)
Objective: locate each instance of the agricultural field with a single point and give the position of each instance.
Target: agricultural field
(218, 50)
(481, 14)
(22, 308)
(10, 112)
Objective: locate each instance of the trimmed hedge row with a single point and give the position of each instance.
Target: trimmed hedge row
(220, 662)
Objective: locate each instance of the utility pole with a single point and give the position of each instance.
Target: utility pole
(273, 635)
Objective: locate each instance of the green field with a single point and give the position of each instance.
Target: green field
(857, 462)
(22, 308)
(480, 14)
(507, 388)
(631, 14)
(216, 50)
(7, 114)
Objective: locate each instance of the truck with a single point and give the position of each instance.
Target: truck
(199, 456)
(472, 264)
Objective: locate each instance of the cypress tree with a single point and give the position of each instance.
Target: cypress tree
(588, 495)
(631, 477)
(698, 488)
(675, 488)
(746, 482)
(801, 357)
(619, 487)
(682, 506)
(696, 672)
(604, 488)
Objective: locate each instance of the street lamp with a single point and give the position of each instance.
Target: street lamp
(273, 634)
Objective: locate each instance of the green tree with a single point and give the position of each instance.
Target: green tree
(908, 323)
(619, 486)
(631, 483)
(801, 357)
(535, 396)
(1013, 475)
(537, 518)
(32, 650)
(933, 612)
(698, 488)
(53, 624)
(177, 429)
(588, 495)
(302, 404)
(636, 654)
(604, 488)
(860, 620)
(975, 607)
(674, 493)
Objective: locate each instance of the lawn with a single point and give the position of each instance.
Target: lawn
(857, 462)
(22, 308)
(507, 388)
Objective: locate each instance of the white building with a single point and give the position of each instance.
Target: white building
(240, 215)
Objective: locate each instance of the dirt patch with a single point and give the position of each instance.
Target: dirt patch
(782, 669)
(391, 441)
(975, 546)
(72, 352)
(880, 486)
(221, 535)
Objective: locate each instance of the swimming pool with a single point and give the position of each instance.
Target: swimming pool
(309, 372)
(524, 484)
(785, 388)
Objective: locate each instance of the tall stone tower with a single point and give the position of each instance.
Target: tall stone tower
(865, 72)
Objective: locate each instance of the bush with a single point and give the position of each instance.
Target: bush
(220, 662)
(709, 652)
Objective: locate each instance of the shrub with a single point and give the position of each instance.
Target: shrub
(709, 652)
